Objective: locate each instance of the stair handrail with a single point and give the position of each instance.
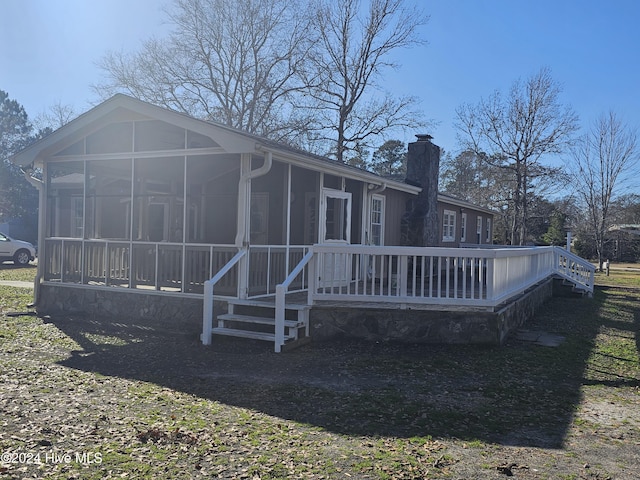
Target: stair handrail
(584, 281)
(207, 308)
(281, 291)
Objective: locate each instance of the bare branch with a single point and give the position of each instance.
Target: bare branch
(520, 130)
(233, 62)
(600, 161)
(350, 53)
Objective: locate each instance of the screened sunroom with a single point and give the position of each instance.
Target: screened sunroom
(138, 197)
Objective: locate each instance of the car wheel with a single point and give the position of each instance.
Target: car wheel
(21, 258)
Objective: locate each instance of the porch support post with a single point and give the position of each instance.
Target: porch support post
(403, 272)
(40, 185)
(311, 279)
(243, 226)
(207, 313)
(491, 281)
(279, 340)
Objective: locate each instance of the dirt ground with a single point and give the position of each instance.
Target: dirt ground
(348, 409)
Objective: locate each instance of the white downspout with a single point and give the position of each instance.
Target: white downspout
(244, 214)
(39, 185)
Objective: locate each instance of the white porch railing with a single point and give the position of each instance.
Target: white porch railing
(207, 308)
(402, 276)
(162, 266)
(268, 265)
(439, 276)
(281, 292)
(169, 267)
(265, 268)
(476, 277)
(574, 268)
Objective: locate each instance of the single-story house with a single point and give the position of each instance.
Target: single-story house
(141, 206)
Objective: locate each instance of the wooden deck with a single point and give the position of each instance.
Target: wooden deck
(300, 298)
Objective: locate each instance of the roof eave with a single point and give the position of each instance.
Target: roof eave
(463, 204)
(338, 168)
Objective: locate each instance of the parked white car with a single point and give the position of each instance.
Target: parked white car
(20, 252)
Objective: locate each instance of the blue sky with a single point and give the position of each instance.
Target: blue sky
(48, 50)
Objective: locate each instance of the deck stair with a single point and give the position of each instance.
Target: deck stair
(571, 288)
(255, 319)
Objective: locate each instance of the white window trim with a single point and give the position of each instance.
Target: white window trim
(381, 199)
(463, 228)
(449, 226)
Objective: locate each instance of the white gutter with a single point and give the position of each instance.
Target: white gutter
(378, 189)
(39, 185)
(264, 169)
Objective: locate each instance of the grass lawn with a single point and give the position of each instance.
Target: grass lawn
(111, 398)
(8, 271)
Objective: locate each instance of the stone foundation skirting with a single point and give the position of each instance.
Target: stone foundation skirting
(374, 324)
(429, 326)
(152, 309)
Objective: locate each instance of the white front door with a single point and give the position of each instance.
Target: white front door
(335, 228)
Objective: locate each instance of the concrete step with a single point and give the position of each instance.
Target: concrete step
(234, 317)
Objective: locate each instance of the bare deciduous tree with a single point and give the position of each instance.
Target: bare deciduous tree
(56, 116)
(228, 61)
(351, 51)
(516, 132)
(600, 160)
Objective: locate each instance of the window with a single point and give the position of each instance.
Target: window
(479, 230)
(449, 226)
(489, 231)
(463, 228)
(377, 220)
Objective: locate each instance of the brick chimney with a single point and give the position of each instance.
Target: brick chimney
(420, 224)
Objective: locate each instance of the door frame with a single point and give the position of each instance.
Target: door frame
(333, 268)
(326, 194)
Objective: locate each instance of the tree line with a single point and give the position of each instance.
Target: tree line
(509, 142)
